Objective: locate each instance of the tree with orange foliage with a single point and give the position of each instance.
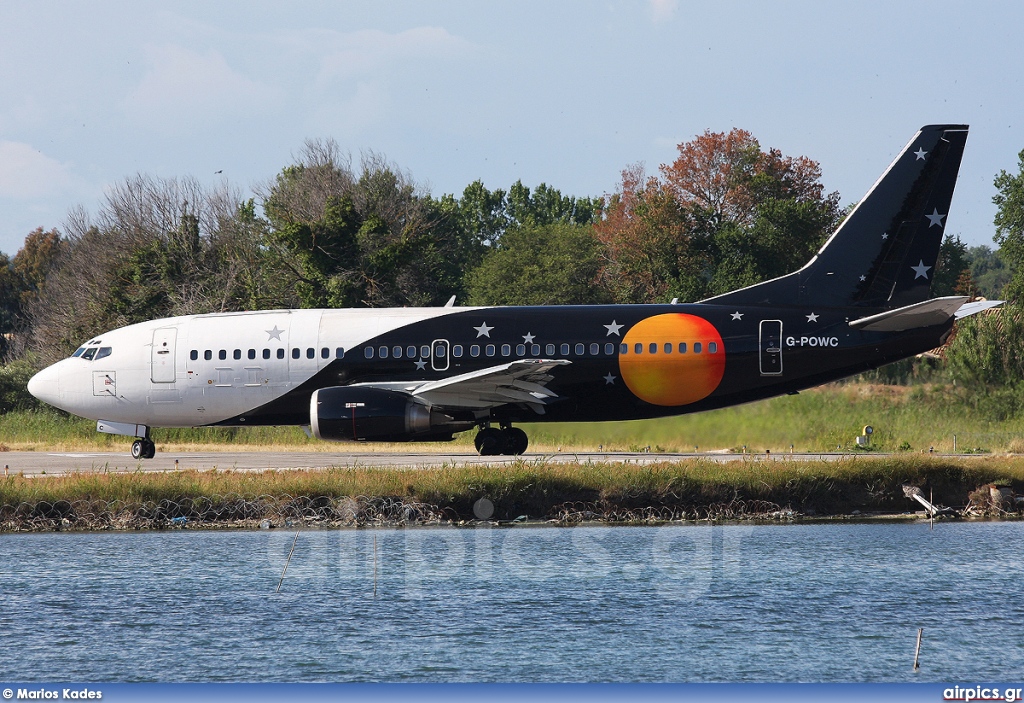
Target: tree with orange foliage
(723, 215)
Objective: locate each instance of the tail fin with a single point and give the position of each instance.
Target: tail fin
(883, 254)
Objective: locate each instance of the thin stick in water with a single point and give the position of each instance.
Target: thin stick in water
(375, 566)
(287, 562)
(917, 650)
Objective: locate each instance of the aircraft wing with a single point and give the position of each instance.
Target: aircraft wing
(520, 381)
(968, 309)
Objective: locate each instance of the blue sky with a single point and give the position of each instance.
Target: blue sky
(567, 93)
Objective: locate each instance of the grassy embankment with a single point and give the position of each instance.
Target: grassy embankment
(917, 417)
(694, 489)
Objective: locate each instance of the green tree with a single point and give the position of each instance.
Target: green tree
(1009, 221)
(988, 271)
(986, 359)
(552, 264)
(953, 269)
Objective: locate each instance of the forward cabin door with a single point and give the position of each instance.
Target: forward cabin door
(163, 353)
(771, 347)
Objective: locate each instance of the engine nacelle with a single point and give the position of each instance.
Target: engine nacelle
(357, 413)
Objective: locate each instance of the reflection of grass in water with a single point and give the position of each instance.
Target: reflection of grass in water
(536, 487)
(816, 420)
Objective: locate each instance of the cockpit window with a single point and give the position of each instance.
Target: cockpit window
(103, 352)
(89, 353)
(78, 352)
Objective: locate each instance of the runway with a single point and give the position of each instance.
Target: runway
(60, 463)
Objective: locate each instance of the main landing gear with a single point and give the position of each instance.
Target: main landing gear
(143, 448)
(490, 441)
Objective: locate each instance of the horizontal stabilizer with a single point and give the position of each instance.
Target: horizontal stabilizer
(968, 309)
(924, 314)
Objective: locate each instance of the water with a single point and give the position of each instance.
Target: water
(697, 603)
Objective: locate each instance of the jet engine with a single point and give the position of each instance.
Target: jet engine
(345, 413)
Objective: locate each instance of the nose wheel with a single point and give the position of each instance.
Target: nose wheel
(143, 449)
(510, 441)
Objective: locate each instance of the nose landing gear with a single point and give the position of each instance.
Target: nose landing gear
(510, 441)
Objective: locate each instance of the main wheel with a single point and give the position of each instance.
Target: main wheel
(490, 441)
(149, 450)
(516, 441)
(138, 449)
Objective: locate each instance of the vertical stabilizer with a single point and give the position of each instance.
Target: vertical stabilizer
(883, 254)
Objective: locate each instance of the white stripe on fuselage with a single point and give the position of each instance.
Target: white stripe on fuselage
(209, 391)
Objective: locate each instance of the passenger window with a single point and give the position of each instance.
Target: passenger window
(382, 352)
(652, 347)
(581, 349)
(102, 353)
(424, 352)
(609, 348)
(506, 350)
(457, 351)
(339, 353)
(207, 354)
(252, 353)
(520, 350)
(325, 353)
(682, 347)
(668, 347)
(368, 352)
(310, 353)
(490, 350)
(595, 348)
(696, 347)
(266, 353)
(474, 350)
(535, 350)
(638, 348)
(565, 350)
(439, 351)
(296, 353)
(396, 352)
(237, 354)
(623, 348)
(549, 349)
(410, 351)
(280, 353)
(222, 354)
(193, 355)
(712, 347)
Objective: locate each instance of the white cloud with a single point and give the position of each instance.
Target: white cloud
(183, 88)
(27, 173)
(663, 10)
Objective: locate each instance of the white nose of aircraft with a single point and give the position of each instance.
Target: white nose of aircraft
(45, 387)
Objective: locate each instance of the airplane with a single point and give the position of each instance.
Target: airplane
(424, 374)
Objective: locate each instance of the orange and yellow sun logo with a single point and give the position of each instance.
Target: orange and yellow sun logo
(681, 359)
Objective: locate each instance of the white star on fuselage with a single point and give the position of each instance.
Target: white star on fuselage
(885, 235)
(483, 331)
(609, 380)
(613, 329)
(813, 317)
(421, 365)
(737, 315)
(274, 334)
(920, 271)
(920, 154)
(528, 337)
(935, 218)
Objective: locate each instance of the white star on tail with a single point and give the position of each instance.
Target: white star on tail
(483, 331)
(613, 329)
(920, 154)
(863, 278)
(935, 218)
(813, 317)
(920, 271)
(737, 315)
(609, 380)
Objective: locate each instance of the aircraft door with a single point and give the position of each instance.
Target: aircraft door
(163, 355)
(771, 347)
(440, 352)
